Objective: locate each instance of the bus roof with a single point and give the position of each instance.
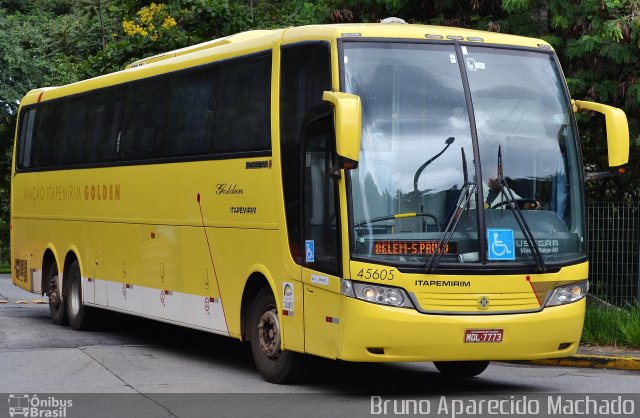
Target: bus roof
(410, 31)
(261, 40)
(243, 36)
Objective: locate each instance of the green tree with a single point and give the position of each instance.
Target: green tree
(42, 43)
(150, 28)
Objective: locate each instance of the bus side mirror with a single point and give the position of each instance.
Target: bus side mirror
(617, 130)
(348, 123)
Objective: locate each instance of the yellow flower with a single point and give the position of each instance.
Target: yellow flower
(169, 22)
(131, 28)
(147, 13)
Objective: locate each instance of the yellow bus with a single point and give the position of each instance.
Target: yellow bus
(368, 192)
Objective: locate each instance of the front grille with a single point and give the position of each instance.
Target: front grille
(470, 302)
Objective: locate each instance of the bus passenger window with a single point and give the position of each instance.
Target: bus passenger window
(70, 148)
(243, 120)
(190, 113)
(144, 120)
(47, 132)
(25, 138)
(106, 125)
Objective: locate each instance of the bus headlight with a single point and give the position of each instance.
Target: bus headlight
(568, 294)
(382, 295)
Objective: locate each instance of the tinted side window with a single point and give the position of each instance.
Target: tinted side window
(25, 139)
(306, 73)
(321, 196)
(47, 134)
(242, 121)
(190, 113)
(106, 125)
(73, 131)
(144, 119)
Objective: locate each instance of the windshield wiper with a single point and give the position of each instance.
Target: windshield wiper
(468, 190)
(396, 216)
(506, 191)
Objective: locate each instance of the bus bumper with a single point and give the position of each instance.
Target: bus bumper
(376, 333)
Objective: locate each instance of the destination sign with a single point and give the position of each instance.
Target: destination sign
(411, 247)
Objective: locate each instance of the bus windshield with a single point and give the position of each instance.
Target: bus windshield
(417, 139)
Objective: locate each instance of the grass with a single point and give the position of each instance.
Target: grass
(611, 326)
(5, 269)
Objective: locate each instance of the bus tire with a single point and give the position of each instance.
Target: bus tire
(274, 364)
(80, 316)
(461, 369)
(57, 308)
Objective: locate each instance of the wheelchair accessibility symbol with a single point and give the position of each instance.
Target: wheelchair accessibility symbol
(501, 244)
(309, 250)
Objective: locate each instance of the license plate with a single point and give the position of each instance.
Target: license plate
(483, 336)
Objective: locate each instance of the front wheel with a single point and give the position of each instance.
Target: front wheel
(461, 369)
(80, 316)
(274, 364)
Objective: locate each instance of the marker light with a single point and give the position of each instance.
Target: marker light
(382, 295)
(568, 294)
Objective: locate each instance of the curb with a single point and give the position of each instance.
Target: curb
(591, 361)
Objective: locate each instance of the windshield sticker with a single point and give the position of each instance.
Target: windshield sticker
(501, 245)
(464, 50)
(452, 57)
(546, 246)
(471, 64)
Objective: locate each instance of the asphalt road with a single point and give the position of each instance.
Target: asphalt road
(132, 355)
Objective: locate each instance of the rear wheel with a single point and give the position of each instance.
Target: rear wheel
(56, 304)
(461, 368)
(274, 364)
(80, 316)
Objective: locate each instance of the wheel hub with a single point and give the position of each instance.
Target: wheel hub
(54, 296)
(269, 334)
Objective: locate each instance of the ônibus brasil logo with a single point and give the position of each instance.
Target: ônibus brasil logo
(23, 405)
